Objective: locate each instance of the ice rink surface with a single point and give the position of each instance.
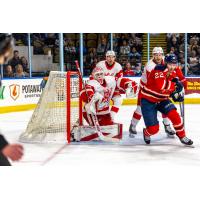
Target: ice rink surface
(131, 151)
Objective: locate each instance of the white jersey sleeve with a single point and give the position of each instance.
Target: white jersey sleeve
(147, 69)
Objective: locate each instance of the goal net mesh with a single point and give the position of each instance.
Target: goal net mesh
(57, 111)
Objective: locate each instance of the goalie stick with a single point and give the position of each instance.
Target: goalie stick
(94, 117)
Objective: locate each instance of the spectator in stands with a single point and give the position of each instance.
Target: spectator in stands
(123, 61)
(38, 44)
(182, 47)
(132, 42)
(182, 66)
(174, 46)
(180, 55)
(195, 45)
(50, 40)
(193, 60)
(93, 64)
(139, 47)
(19, 73)
(24, 64)
(135, 54)
(128, 71)
(91, 56)
(116, 47)
(191, 43)
(133, 62)
(172, 35)
(103, 46)
(8, 72)
(174, 50)
(20, 39)
(125, 48)
(78, 48)
(198, 51)
(15, 60)
(137, 70)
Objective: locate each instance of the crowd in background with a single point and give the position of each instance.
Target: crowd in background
(127, 46)
(17, 67)
(176, 45)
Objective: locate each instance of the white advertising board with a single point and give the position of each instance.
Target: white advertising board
(20, 91)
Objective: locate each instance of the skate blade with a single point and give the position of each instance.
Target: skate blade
(189, 146)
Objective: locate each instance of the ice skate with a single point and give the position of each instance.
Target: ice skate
(169, 131)
(147, 139)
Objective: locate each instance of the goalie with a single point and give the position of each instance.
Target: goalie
(96, 96)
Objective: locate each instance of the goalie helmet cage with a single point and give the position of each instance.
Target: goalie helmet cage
(57, 111)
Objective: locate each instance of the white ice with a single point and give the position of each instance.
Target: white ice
(129, 151)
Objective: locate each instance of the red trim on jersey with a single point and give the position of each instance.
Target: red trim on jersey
(114, 109)
(152, 98)
(137, 116)
(152, 92)
(109, 67)
(119, 74)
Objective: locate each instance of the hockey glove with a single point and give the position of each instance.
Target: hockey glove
(179, 85)
(177, 96)
(131, 90)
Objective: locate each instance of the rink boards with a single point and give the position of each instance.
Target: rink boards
(23, 94)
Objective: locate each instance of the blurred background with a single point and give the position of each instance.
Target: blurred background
(37, 53)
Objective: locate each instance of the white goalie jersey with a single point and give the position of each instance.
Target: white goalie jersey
(106, 91)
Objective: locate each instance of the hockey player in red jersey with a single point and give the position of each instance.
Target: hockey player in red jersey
(158, 56)
(162, 83)
(112, 68)
(98, 93)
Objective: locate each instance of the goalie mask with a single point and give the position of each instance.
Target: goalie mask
(98, 74)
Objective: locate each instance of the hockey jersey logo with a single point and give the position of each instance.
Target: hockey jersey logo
(109, 74)
(106, 100)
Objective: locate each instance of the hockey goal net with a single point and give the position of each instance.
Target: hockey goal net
(57, 111)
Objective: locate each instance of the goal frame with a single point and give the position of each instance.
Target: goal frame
(68, 109)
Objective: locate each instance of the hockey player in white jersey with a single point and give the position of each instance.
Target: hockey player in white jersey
(96, 96)
(112, 68)
(158, 58)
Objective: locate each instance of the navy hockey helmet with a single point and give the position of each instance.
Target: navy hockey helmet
(171, 58)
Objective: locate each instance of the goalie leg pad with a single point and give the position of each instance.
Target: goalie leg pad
(88, 133)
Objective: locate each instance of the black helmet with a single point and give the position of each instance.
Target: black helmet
(171, 58)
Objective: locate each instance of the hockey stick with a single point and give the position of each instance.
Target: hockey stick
(182, 110)
(94, 117)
